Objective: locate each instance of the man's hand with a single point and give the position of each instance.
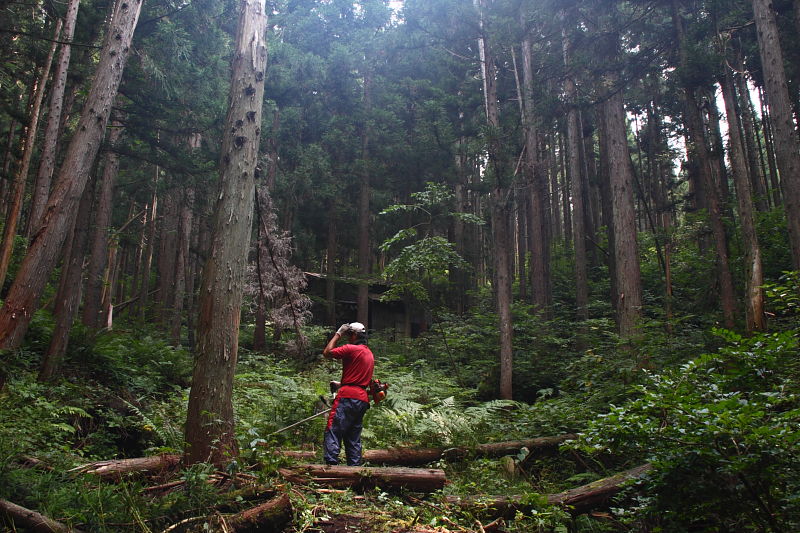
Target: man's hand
(344, 328)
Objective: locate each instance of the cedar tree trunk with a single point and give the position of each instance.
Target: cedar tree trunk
(210, 424)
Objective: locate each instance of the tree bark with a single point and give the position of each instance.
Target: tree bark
(33, 521)
(270, 516)
(100, 235)
(752, 152)
(330, 270)
(210, 422)
(47, 159)
(148, 245)
(182, 265)
(115, 469)
(576, 181)
(364, 256)
(626, 253)
(538, 237)
(787, 146)
(68, 297)
(698, 153)
(754, 278)
(414, 479)
(59, 215)
(18, 187)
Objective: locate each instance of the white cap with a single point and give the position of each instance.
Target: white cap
(357, 327)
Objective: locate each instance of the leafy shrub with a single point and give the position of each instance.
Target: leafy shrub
(723, 434)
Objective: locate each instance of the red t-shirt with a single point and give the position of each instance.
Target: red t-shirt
(357, 365)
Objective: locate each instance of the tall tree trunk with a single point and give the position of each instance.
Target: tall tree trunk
(769, 145)
(576, 181)
(364, 256)
(68, 296)
(182, 265)
(148, 236)
(539, 243)
(626, 253)
(698, 153)
(47, 160)
(500, 215)
(18, 188)
(787, 147)
(606, 202)
(167, 254)
(749, 136)
(100, 235)
(210, 423)
(59, 215)
(330, 269)
(754, 297)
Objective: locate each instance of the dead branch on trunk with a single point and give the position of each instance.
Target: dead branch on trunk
(31, 520)
(578, 500)
(415, 479)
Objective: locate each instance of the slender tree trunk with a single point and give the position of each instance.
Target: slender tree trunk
(749, 131)
(698, 152)
(68, 296)
(100, 235)
(59, 215)
(608, 209)
(539, 244)
(167, 254)
(576, 181)
(769, 145)
(18, 188)
(47, 160)
(210, 423)
(149, 236)
(499, 217)
(787, 146)
(182, 265)
(330, 272)
(754, 298)
(364, 255)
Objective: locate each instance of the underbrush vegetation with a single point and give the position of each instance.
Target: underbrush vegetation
(716, 414)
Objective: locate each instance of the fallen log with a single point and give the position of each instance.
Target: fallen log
(272, 515)
(578, 500)
(118, 467)
(359, 477)
(31, 520)
(422, 456)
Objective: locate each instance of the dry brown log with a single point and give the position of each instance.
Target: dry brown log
(118, 467)
(31, 520)
(415, 479)
(272, 515)
(421, 456)
(577, 501)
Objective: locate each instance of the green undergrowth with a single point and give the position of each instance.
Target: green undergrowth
(715, 413)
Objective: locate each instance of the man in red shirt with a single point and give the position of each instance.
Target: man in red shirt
(352, 401)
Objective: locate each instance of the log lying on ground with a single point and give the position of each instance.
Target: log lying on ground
(421, 456)
(414, 479)
(31, 520)
(272, 515)
(118, 467)
(578, 500)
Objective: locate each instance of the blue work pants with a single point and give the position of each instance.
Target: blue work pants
(344, 424)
